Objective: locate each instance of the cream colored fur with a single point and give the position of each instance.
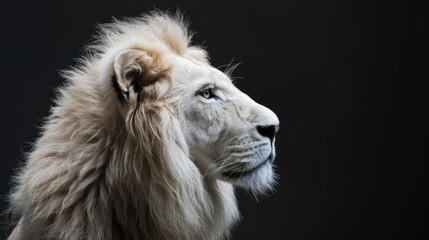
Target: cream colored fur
(137, 148)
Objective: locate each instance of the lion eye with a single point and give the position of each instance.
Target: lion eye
(208, 93)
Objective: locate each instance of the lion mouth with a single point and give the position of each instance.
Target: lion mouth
(241, 174)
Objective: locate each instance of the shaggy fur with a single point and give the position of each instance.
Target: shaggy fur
(124, 153)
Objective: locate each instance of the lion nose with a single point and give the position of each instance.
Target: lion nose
(268, 131)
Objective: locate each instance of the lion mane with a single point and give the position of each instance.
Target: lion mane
(101, 169)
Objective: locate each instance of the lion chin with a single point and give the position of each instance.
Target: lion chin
(146, 141)
(258, 180)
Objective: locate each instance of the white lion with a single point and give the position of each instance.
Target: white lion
(145, 141)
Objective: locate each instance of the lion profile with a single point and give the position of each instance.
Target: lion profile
(145, 141)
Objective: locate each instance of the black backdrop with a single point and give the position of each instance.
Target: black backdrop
(347, 79)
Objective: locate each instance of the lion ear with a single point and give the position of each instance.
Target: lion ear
(134, 69)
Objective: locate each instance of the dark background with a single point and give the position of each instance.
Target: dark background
(347, 79)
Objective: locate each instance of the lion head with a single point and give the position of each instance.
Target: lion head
(229, 136)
